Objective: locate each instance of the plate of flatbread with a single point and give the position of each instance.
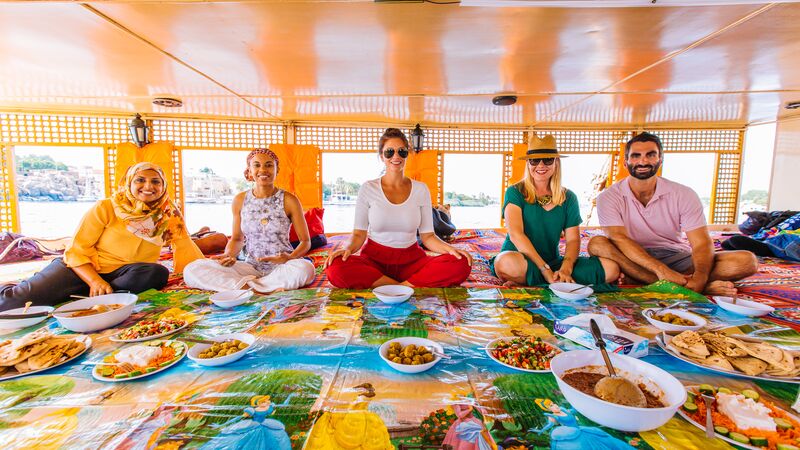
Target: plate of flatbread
(39, 351)
(744, 357)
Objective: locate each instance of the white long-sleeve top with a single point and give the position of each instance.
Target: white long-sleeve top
(390, 224)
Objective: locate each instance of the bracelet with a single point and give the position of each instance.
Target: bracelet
(544, 267)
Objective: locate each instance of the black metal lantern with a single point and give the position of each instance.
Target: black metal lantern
(139, 131)
(417, 137)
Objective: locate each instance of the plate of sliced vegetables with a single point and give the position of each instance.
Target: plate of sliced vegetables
(148, 329)
(139, 360)
(527, 354)
(743, 418)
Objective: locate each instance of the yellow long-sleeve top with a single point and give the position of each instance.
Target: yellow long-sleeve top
(103, 240)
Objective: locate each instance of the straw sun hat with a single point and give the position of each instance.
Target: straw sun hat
(544, 147)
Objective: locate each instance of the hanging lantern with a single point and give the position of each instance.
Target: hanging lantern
(417, 137)
(139, 131)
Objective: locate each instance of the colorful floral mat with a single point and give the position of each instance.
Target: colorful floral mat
(314, 378)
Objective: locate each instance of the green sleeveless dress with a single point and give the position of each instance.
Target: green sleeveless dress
(544, 229)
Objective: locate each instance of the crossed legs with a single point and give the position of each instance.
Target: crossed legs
(728, 266)
(512, 268)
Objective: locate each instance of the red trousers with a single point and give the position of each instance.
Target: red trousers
(403, 264)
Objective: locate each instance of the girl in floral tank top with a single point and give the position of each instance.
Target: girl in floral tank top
(261, 220)
(266, 229)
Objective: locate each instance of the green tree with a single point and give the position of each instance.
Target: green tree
(39, 162)
(242, 185)
(757, 196)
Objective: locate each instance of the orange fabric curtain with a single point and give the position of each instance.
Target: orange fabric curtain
(300, 172)
(518, 165)
(424, 167)
(159, 153)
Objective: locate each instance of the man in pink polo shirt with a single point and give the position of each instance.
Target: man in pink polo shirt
(644, 217)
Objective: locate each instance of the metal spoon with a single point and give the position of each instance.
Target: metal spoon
(614, 388)
(709, 401)
(580, 287)
(664, 308)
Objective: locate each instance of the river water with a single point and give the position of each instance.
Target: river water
(60, 219)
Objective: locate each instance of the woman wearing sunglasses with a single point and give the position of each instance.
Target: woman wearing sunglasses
(537, 210)
(389, 212)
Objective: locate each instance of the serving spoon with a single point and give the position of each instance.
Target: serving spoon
(614, 388)
(709, 401)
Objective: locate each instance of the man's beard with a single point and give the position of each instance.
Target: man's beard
(643, 175)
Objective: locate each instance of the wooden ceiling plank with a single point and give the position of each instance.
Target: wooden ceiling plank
(147, 42)
(668, 57)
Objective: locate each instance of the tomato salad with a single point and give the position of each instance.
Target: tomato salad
(150, 328)
(524, 353)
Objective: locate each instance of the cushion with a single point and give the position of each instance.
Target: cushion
(313, 220)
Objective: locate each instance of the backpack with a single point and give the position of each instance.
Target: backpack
(758, 220)
(17, 248)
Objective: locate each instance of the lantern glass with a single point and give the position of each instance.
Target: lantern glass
(417, 138)
(139, 132)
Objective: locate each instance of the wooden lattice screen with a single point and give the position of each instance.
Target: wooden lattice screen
(108, 130)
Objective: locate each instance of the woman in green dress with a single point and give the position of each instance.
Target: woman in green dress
(537, 211)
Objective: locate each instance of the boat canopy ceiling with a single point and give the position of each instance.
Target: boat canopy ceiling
(364, 62)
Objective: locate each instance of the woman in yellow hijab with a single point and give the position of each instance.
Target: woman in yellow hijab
(116, 246)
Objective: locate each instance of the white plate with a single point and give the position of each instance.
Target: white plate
(22, 323)
(702, 426)
(404, 341)
(699, 322)
(393, 294)
(87, 341)
(96, 373)
(195, 351)
(663, 339)
(114, 337)
(562, 290)
(230, 299)
(491, 345)
(743, 307)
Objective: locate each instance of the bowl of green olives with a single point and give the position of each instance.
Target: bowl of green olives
(411, 354)
(227, 348)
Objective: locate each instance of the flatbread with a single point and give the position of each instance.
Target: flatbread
(75, 348)
(717, 360)
(42, 334)
(25, 353)
(49, 357)
(691, 344)
(724, 345)
(749, 365)
(23, 367)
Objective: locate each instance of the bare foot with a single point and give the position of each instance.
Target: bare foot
(510, 284)
(719, 287)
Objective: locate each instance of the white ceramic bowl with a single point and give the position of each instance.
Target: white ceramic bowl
(22, 323)
(743, 307)
(407, 368)
(195, 351)
(623, 418)
(230, 299)
(562, 290)
(393, 293)
(699, 322)
(99, 321)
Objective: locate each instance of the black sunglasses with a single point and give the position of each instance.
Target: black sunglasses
(547, 161)
(389, 152)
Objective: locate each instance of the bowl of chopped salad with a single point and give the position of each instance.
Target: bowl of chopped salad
(148, 329)
(527, 354)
